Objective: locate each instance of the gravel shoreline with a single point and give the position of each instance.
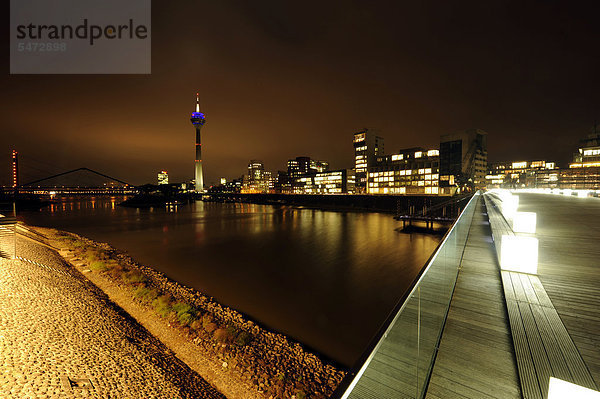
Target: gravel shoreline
(241, 358)
(62, 337)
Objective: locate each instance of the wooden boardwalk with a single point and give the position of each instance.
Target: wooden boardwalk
(476, 357)
(543, 347)
(506, 332)
(399, 363)
(568, 229)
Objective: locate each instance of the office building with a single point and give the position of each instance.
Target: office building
(584, 172)
(368, 145)
(463, 161)
(296, 168)
(319, 166)
(588, 155)
(330, 182)
(163, 177)
(520, 174)
(413, 171)
(258, 180)
(301, 166)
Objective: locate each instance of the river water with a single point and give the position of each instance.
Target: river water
(327, 279)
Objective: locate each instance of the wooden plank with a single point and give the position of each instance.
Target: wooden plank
(540, 292)
(536, 347)
(528, 288)
(518, 287)
(568, 230)
(509, 292)
(580, 372)
(557, 360)
(476, 358)
(527, 375)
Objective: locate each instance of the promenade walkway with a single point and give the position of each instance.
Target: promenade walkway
(476, 356)
(507, 333)
(568, 230)
(60, 337)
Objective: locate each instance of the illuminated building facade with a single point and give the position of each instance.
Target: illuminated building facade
(330, 182)
(258, 180)
(463, 161)
(520, 174)
(319, 166)
(588, 155)
(582, 174)
(228, 186)
(198, 121)
(368, 145)
(163, 177)
(301, 166)
(584, 171)
(298, 167)
(413, 171)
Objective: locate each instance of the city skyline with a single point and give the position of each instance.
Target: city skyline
(279, 83)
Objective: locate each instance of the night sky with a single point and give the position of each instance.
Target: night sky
(281, 79)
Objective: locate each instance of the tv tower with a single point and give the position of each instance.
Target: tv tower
(198, 120)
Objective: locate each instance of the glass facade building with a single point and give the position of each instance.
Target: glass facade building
(413, 171)
(368, 145)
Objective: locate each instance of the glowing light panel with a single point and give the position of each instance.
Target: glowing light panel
(519, 254)
(510, 203)
(559, 389)
(524, 222)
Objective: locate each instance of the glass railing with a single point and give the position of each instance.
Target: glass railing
(399, 361)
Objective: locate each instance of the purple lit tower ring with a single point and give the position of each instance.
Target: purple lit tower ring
(198, 120)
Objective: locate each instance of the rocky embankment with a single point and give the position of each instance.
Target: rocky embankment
(238, 356)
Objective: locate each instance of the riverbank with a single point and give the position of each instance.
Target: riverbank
(61, 337)
(242, 359)
(390, 204)
(437, 206)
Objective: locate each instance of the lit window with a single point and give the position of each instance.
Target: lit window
(418, 154)
(433, 153)
(359, 137)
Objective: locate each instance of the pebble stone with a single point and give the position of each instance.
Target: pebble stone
(57, 327)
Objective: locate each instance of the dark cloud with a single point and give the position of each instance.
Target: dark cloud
(283, 79)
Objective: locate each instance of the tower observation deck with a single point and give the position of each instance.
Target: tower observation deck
(198, 120)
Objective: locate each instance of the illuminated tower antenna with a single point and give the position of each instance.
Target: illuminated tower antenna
(198, 120)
